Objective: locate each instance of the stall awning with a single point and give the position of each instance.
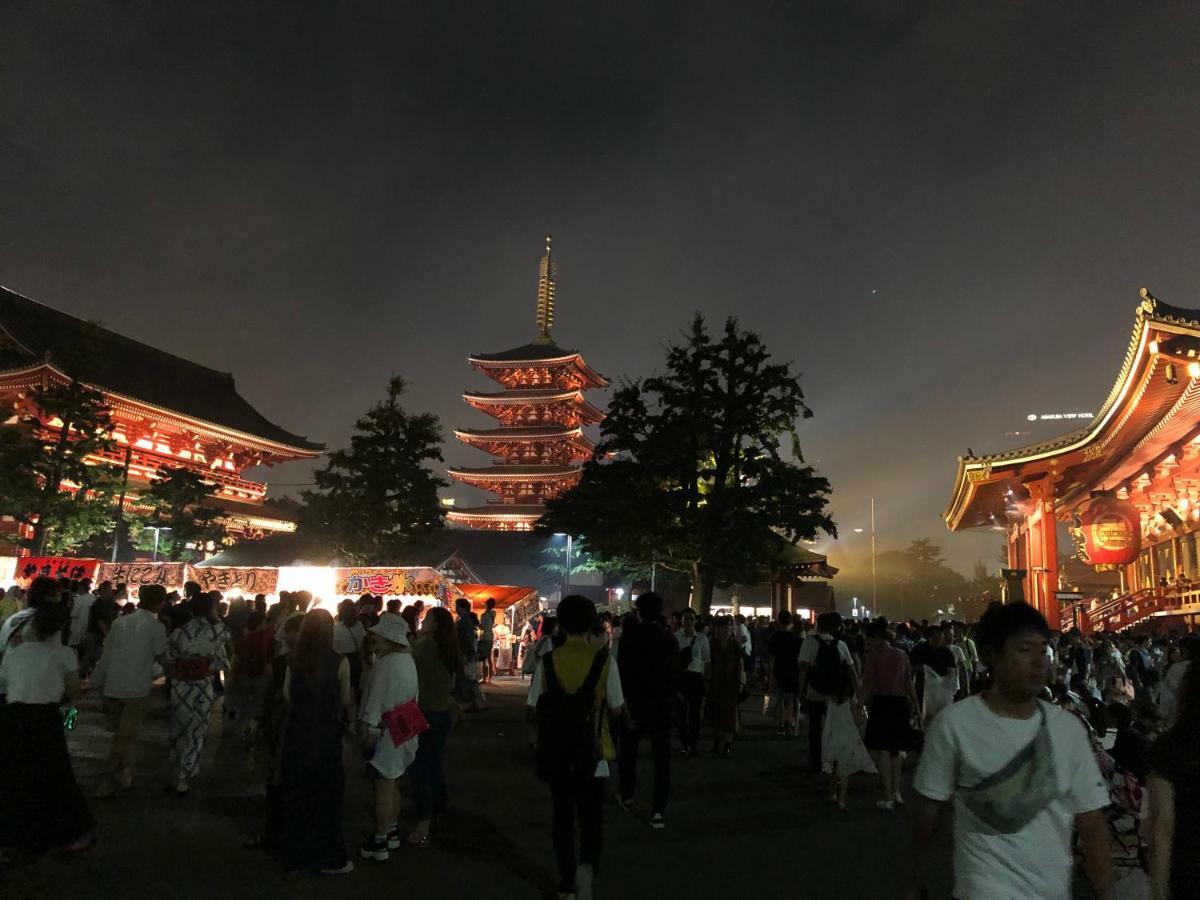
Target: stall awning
(505, 595)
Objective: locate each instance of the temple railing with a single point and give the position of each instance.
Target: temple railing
(1127, 610)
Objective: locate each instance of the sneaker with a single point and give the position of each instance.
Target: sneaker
(898, 799)
(393, 839)
(624, 804)
(885, 805)
(375, 847)
(584, 876)
(344, 870)
(657, 822)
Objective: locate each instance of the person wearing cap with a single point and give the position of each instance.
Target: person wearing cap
(392, 682)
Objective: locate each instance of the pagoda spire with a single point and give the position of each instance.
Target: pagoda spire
(545, 299)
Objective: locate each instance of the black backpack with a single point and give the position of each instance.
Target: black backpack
(568, 727)
(825, 675)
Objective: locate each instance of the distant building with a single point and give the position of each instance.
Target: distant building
(167, 411)
(542, 412)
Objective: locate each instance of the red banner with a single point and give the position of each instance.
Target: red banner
(31, 567)
(247, 579)
(169, 575)
(1111, 530)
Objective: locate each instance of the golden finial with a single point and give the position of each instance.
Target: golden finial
(545, 301)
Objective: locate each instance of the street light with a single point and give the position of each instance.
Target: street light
(157, 529)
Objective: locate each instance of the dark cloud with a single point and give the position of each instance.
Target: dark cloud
(942, 212)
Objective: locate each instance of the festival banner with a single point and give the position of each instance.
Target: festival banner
(134, 575)
(395, 582)
(247, 579)
(31, 567)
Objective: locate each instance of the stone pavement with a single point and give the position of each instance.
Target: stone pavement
(754, 825)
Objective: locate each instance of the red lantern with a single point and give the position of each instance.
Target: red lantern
(1111, 531)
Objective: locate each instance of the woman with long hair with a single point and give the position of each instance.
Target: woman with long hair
(725, 684)
(195, 652)
(312, 783)
(437, 657)
(41, 806)
(1174, 786)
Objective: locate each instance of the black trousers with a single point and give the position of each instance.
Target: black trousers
(816, 724)
(582, 799)
(659, 732)
(692, 689)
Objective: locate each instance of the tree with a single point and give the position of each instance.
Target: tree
(376, 501)
(52, 483)
(691, 471)
(178, 522)
(925, 552)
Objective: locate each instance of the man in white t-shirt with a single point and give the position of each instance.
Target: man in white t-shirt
(81, 612)
(124, 677)
(695, 655)
(1021, 773)
(817, 671)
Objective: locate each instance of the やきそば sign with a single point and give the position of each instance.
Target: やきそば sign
(1110, 530)
(31, 567)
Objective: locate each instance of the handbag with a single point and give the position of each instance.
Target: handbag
(405, 722)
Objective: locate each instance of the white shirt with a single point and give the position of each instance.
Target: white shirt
(613, 693)
(36, 671)
(701, 651)
(808, 654)
(487, 626)
(744, 634)
(968, 742)
(348, 638)
(1169, 695)
(126, 670)
(81, 612)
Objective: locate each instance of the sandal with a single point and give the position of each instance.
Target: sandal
(418, 844)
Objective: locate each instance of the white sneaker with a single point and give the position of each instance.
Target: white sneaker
(885, 805)
(583, 882)
(898, 799)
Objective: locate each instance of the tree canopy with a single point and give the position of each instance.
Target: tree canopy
(179, 525)
(45, 479)
(376, 502)
(699, 468)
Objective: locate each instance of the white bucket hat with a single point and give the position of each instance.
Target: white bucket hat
(392, 627)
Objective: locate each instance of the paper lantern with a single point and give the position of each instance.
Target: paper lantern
(1111, 531)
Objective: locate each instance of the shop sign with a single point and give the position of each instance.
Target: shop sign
(31, 567)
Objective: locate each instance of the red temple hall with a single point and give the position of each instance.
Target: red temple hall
(1126, 487)
(167, 411)
(541, 412)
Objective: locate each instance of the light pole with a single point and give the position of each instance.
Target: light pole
(874, 591)
(157, 529)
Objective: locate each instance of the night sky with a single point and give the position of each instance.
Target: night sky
(941, 212)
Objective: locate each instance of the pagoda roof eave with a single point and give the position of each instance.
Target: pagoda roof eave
(501, 473)
(309, 450)
(1132, 418)
(591, 377)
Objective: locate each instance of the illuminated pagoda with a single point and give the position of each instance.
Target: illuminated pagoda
(1127, 486)
(539, 442)
(166, 411)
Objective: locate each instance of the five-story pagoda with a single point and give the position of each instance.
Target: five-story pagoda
(541, 412)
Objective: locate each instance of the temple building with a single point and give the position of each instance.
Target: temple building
(539, 442)
(166, 411)
(1126, 486)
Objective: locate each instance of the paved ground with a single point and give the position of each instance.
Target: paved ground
(754, 825)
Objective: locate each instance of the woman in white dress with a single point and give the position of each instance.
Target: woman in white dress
(392, 682)
(843, 752)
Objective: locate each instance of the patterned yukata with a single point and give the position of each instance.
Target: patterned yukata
(192, 699)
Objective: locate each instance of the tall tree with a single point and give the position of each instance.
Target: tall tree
(699, 469)
(376, 502)
(46, 479)
(178, 525)
(925, 552)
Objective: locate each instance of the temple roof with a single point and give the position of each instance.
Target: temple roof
(31, 332)
(534, 352)
(519, 433)
(499, 510)
(1152, 409)
(503, 471)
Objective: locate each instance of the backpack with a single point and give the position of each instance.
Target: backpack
(825, 676)
(568, 727)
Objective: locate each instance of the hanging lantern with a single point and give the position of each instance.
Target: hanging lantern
(1110, 531)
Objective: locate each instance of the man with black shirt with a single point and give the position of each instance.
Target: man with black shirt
(648, 655)
(785, 644)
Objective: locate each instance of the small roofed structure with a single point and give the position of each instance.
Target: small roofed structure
(1142, 448)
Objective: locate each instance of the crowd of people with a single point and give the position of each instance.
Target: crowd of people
(1048, 745)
